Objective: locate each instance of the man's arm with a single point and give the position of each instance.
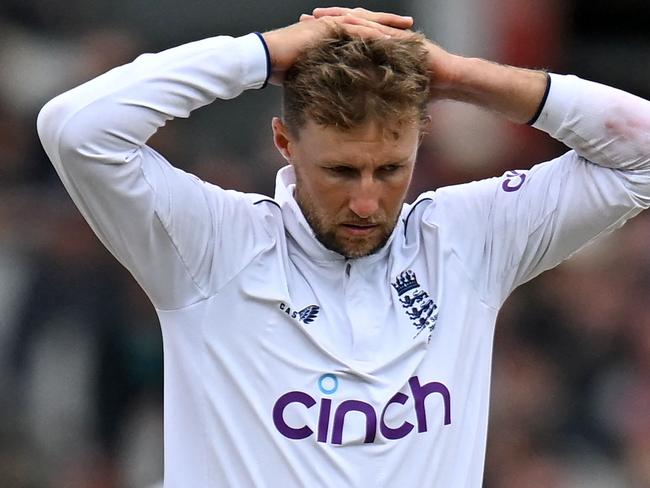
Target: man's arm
(161, 223)
(514, 93)
(602, 124)
(164, 225)
(535, 219)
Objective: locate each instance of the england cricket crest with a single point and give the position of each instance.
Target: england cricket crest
(417, 303)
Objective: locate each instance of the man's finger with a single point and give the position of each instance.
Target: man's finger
(384, 29)
(330, 11)
(392, 20)
(385, 18)
(359, 27)
(364, 32)
(304, 17)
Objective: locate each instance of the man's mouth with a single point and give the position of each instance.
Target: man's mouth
(358, 229)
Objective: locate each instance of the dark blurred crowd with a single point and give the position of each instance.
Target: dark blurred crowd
(80, 348)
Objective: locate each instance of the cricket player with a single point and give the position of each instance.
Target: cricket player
(334, 335)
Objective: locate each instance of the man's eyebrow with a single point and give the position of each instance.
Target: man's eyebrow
(397, 161)
(332, 162)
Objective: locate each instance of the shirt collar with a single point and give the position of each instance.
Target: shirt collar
(301, 232)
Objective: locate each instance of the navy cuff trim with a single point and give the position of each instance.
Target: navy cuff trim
(543, 102)
(268, 58)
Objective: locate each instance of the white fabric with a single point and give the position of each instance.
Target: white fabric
(400, 392)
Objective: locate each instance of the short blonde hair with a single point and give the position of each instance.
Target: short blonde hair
(344, 81)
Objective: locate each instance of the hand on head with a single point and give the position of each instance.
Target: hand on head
(386, 23)
(381, 24)
(286, 44)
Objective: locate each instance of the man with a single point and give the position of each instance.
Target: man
(333, 335)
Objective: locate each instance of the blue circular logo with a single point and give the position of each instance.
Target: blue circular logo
(328, 383)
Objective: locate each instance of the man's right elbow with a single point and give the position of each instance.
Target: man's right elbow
(49, 122)
(53, 118)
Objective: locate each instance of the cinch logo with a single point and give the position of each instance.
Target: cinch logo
(514, 180)
(328, 384)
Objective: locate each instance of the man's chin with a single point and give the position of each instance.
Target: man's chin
(360, 253)
(352, 243)
(358, 248)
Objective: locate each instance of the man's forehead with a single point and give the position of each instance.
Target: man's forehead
(369, 131)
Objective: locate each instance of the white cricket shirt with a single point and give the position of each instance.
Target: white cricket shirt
(287, 365)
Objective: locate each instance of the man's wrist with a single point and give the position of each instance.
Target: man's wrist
(542, 103)
(276, 52)
(268, 57)
(515, 93)
(252, 58)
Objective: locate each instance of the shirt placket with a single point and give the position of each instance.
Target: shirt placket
(360, 301)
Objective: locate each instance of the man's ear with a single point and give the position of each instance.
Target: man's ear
(425, 128)
(282, 138)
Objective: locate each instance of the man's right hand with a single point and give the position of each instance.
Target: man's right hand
(286, 44)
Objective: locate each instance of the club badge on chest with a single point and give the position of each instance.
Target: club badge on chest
(417, 304)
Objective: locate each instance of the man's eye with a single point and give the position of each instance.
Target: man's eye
(390, 168)
(340, 170)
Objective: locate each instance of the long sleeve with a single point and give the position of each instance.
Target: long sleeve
(518, 225)
(604, 125)
(163, 224)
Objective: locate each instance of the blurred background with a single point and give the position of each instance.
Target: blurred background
(80, 348)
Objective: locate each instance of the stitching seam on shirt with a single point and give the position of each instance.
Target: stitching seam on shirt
(168, 232)
(472, 282)
(218, 290)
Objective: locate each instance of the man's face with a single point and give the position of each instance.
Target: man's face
(351, 184)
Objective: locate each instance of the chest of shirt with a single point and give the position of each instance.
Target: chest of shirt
(366, 317)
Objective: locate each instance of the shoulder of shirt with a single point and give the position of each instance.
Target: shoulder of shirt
(252, 199)
(442, 204)
(260, 208)
(263, 202)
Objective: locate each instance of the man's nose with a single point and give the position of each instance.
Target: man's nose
(364, 201)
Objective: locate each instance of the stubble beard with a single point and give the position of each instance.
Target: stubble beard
(326, 232)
